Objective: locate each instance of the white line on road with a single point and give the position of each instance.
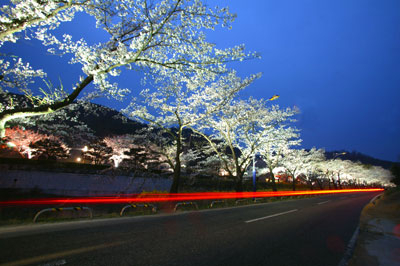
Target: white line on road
(270, 216)
(319, 203)
(55, 263)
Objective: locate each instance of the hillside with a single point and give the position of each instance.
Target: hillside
(359, 157)
(104, 121)
(101, 120)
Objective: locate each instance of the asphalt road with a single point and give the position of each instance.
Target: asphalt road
(312, 231)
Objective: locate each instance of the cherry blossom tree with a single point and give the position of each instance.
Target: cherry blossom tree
(49, 148)
(237, 131)
(345, 172)
(97, 152)
(300, 161)
(183, 101)
(153, 36)
(120, 145)
(274, 144)
(33, 144)
(311, 164)
(22, 138)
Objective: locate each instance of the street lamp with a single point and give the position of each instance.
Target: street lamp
(338, 154)
(273, 97)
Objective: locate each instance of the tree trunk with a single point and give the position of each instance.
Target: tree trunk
(274, 188)
(239, 180)
(319, 182)
(175, 183)
(294, 183)
(310, 184)
(334, 184)
(177, 169)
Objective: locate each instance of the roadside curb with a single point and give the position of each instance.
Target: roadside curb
(350, 248)
(352, 243)
(378, 241)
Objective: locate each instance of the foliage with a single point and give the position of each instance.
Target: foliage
(49, 148)
(273, 146)
(154, 36)
(97, 153)
(22, 139)
(184, 101)
(297, 161)
(239, 128)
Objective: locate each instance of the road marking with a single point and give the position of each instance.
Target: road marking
(270, 216)
(319, 203)
(55, 263)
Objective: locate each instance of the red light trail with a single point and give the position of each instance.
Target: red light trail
(154, 197)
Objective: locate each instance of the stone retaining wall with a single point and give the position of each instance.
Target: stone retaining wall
(72, 184)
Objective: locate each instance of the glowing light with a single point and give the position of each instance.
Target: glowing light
(11, 145)
(273, 97)
(79, 159)
(154, 197)
(85, 149)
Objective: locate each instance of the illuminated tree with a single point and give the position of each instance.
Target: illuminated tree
(49, 148)
(311, 166)
(349, 172)
(97, 153)
(274, 144)
(22, 138)
(154, 36)
(300, 161)
(140, 158)
(183, 101)
(120, 145)
(237, 131)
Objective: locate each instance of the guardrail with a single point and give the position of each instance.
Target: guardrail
(216, 202)
(240, 200)
(153, 207)
(186, 203)
(63, 209)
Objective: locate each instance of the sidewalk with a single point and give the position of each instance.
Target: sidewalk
(378, 241)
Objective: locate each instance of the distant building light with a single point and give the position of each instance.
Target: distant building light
(78, 159)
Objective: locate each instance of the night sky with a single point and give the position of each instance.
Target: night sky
(338, 61)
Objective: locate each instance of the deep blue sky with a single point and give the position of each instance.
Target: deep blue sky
(337, 60)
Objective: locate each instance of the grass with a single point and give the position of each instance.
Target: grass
(386, 206)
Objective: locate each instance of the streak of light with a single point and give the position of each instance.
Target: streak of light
(155, 197)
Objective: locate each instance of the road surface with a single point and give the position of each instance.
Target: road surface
(311, 231)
